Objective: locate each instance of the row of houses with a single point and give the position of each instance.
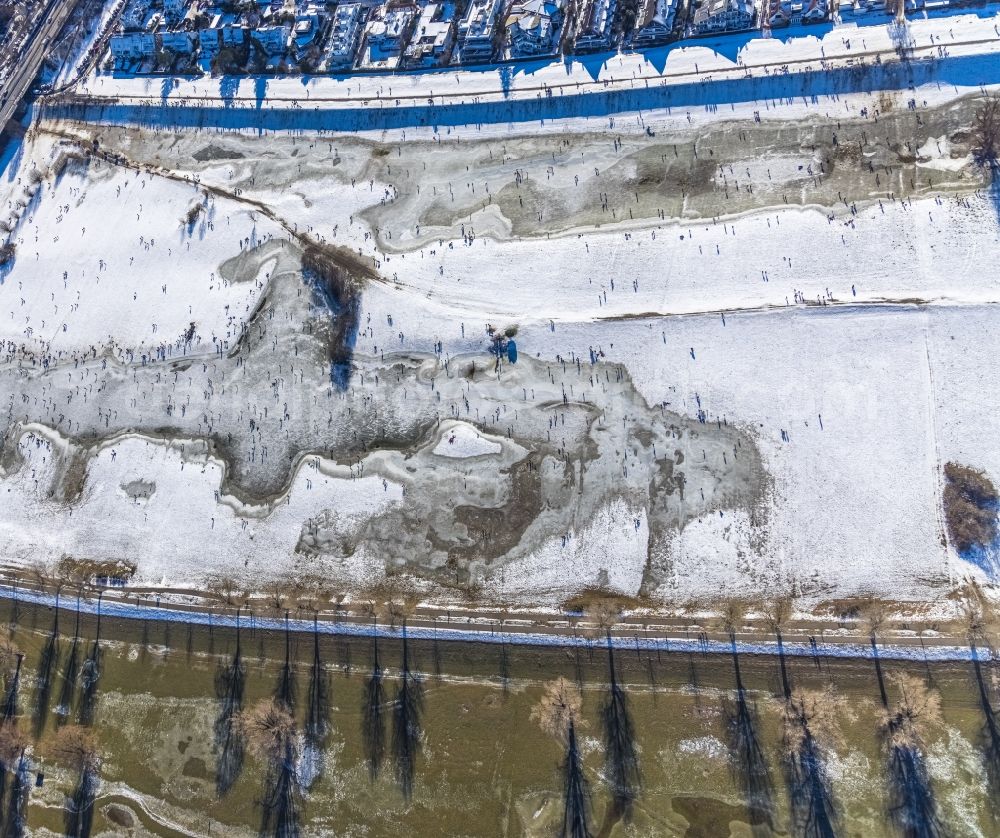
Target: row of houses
(369, 35)
(193, 30)
(780, 12)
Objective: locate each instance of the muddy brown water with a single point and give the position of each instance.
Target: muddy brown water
(485, 768)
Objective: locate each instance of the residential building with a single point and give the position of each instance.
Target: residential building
(594, 25)
(307, 29)
(179, 43)
(478, 31)
(345, 32)
(815, 11)
(273, 40)
(655, 23)
(714, 16)
(533, 27)
(433, 37)
(779, 13)
(233, 36)
(174, 10)
(386, 35)
(208, 43)
(130, 47)
(134, 17)
(222, 34)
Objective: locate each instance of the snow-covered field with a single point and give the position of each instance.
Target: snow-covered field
(161, 500)
(726, 394)
(870, 402)
(106, 258)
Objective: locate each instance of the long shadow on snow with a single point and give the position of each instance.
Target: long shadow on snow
(813, 812)
(317, 724)
(621, 761)
(45, 674)
(809, 85)
(90, 675)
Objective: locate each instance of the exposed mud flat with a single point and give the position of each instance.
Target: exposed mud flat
(486, 768)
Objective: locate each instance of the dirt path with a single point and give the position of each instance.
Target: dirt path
(842, 639)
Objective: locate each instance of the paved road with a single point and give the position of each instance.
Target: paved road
(29, 63)
(822, 637)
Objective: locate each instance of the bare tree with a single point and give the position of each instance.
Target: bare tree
(732, 615)
(811, 733)
(224, 588)
(603, 612)
(558, 715)
(75, 748)
(778, 611)
(905, 726)
(874, 616)
(269, 730)
(276, 596)
(311, 594)
(267, 727)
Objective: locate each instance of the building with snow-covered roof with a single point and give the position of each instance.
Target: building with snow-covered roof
(308, 28)
(533, 27)
(174, 10)
(222, 34)
(714, 16)
(179, 43)
(130, 47)
(654, 24)
(779, 13)
(273, 40)
(345, 32)
(433, 36)
(386, 35)
(233, 35)
(478, 31)
(594, 29)
(134, 16)
(815, 11)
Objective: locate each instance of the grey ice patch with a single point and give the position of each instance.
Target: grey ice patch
(139, 491)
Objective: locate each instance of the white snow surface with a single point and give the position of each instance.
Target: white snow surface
(462, 440)
(106, 259)
(855, 401)
(181, 528)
